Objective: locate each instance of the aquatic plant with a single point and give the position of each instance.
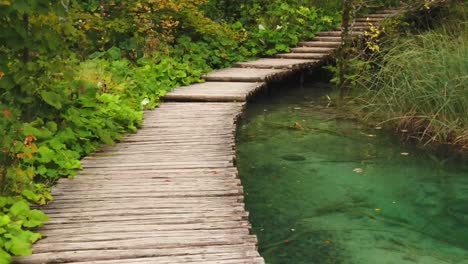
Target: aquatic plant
(421, 87)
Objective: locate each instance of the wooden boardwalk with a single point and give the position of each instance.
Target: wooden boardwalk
(170, 193)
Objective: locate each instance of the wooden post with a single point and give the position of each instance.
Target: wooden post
(346, 40)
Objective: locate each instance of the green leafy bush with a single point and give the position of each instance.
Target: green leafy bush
(15, 218)
(284, 25)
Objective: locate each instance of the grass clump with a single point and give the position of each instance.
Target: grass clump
(421, 87)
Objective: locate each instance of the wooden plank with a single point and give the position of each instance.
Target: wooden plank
(75, 256)
(219, 258)
(360, 29)
(71, 229)
(215, 92)
(328, 39)
(316, 56)
(246, 75)
(337, 33)
(145, 243)
(273, 63)
(333, 44)
(322, 50)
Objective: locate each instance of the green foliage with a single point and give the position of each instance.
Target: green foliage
(15, 218)
(273, 26)
(284, 25)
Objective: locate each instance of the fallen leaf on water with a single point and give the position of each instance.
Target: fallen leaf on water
(358, 170)
(297, 126)
(328, 242)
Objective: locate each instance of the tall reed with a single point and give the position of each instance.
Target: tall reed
(421, 86)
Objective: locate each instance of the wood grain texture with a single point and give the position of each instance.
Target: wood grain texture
(247, 75)
(166, 194)
(274, 63)
(215, 92)
(303, 55)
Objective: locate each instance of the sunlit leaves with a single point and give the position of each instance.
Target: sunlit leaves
(14, 217)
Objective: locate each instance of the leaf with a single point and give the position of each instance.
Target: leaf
(105, 137)
(4, 220)
(358, 170)
(281, 47)
(114, 53)
(45, 154)
(19, 208)
(30, 195)
(52, 126)
(5, 258)
(35, 219)
(18, 246)
(52, 99)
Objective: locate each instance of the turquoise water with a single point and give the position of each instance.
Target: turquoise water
(323, 189)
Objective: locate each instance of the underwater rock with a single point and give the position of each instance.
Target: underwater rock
(293, 157)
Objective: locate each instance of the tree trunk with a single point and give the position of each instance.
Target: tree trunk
(25, 55)
(346, 41)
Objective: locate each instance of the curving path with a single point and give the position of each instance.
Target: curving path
(170, 193)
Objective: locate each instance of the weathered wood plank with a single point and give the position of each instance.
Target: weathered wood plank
(219, 258)
(321, 50)
(316, 56)
(246, 75)
(75, 256)
(337, 33)
(169, 190)
(333, 44)
(145, 243)
(70, 229)
(215, 92)
(272, 63)
(328, 39)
